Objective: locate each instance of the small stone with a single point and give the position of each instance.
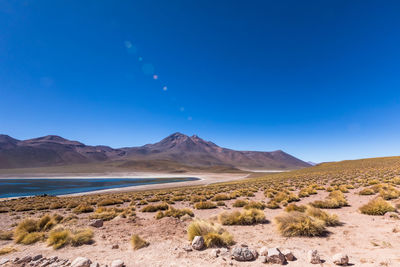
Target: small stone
(214, 253)
(117, 263)
(116, 246)
(340, 259)
(95, 264)
(224, 252)
(263, 251)
(244, 254)
(96, 223)
(37, 257)
(4, 261)
(313, 257)
(187, 248)
(263, 259)
(198, 243)
(25, 259)
(275, 256)
(81, 262)
(288, 255)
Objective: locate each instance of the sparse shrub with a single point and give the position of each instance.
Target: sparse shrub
(240, 203)
(272, 205)
(176, 213)
(220, 197)
(213, 234)
(255, 205)
(82, 237)
(329, 219)
(58, 238)
(110, 201)
(6, 235)
(138, 243)
(294, 207)
(366, 192)
(246, 217)
(377, 206)
(335, 200)
(6, 250)
(205, 205)
(83, 208)
(299, 224)
(154, 208)
(220, 203)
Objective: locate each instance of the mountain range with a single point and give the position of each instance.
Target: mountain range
(177, 150)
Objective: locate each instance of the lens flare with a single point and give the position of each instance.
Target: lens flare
(155, 76)
(165, 88)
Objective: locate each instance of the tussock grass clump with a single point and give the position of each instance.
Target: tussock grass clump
(6, 250)
(82, 237)
(329, 219)
(255, 205)
(335, 200)
(138, 243)
(61, 237)
(214, 235)
(219, 197)
(6, 235)
(240, 203)
(296, 223)
(83, 208)
(176, 213)
(154, 208)
(29, 231)
(205, 205)
(366, 192)
(272, 205)
(246, 217)
(104, 213)
(110, 201)
(377, 206)
(58, 238)
(294, 207)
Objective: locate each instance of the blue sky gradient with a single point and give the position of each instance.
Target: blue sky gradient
(317, 79)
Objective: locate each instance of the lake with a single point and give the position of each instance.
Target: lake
(38, 186)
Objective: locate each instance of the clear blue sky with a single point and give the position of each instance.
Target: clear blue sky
(317, 79)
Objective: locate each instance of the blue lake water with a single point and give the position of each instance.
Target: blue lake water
(32, 187)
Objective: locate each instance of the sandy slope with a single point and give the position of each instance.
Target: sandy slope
(368, 240)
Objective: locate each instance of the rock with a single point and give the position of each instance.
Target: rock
(288, 255)
(340, 259)
(187, 248)
(275, 256)
(215, 253)
(263, 251)
(4, 261)
(313, 257)
(117, 263)
(198, 243)
(25, 259)
(244, 254)
(263, 259)
(81, 262)
(224, 252)
(95, 264)
(37, 257)
(116, 246)
(96, 223)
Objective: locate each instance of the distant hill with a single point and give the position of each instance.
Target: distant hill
(176, 149)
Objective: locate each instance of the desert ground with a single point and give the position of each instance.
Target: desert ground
(368, 240)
